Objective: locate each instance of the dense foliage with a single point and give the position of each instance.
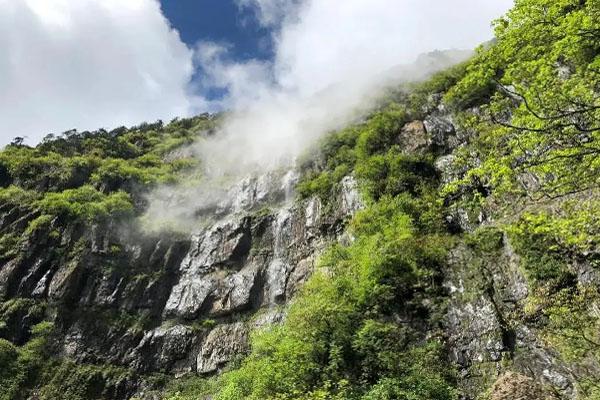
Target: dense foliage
(91, 176)
(529, 105)
(539, 87)
(367, 324)
(69, 181)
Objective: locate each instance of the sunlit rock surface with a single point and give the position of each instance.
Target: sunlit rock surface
(177, 303)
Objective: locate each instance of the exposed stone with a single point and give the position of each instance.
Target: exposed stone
(458, 219)
(271, 316)
(164, 348)
(530, 182)
(225, 243)
(236, 292)
(351, 200)
(313, 212)
(6, 272)
(446, 166)
(255, 191)
(514, 386)
(440, 128)
(413, 138)
(189, 296)
(477, 333)
(485, 292)
(220, 346)
(65, 282)
(42, 286)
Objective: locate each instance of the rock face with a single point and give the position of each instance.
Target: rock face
(513, 386)
(169, 303)
(221, 345)
(494, 347)
(186, 304)
(414, 138)
(487, 293)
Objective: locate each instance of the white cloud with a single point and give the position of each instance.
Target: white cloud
(270, 12)
(332, 57)
(340, 41)
(88, 64)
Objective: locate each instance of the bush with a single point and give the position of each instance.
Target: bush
(381, 131)
(394, 173)
(85, 203)
(335, 342)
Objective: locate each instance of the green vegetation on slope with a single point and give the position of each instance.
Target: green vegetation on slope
(21, 366)
(91, 176)
(367, 325)
(73, 180)
(529, 103)
(343, 338)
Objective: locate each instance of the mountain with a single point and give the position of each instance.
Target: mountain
(445, 246)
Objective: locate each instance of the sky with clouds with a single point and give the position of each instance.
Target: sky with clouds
(88, 64)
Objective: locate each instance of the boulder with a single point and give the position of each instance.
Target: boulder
(515, 386)
(413, 138)
(220, 346)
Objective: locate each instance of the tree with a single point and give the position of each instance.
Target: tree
(17, 141)
(544, 113)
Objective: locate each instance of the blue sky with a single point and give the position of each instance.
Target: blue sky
(90, 64)
(223, 22)
(219, 21)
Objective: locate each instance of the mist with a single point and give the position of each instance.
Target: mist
(332, 60)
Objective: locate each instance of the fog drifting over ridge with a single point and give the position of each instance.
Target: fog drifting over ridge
(90, 64)
(331, 62)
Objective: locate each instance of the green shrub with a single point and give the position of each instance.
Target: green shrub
(381, 131)
(69, 381)
(85, 203)
(10, 372)
(17, 196)
(9, 245)
(545, 242)
(395, 173)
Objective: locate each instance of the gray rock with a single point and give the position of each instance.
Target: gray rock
(445, 165)
(220, 346)
(224, 243)
(413, 138)
(236, 291)
(351, 200)
(189, 296)
(313, 212)
(164, 348)
(440, 128)
(65, 282)
(486, 292)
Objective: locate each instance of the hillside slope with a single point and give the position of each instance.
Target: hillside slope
(446, 247)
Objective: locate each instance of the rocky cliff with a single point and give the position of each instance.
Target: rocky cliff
(175, 304)
(168, 303)
(444, 246)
